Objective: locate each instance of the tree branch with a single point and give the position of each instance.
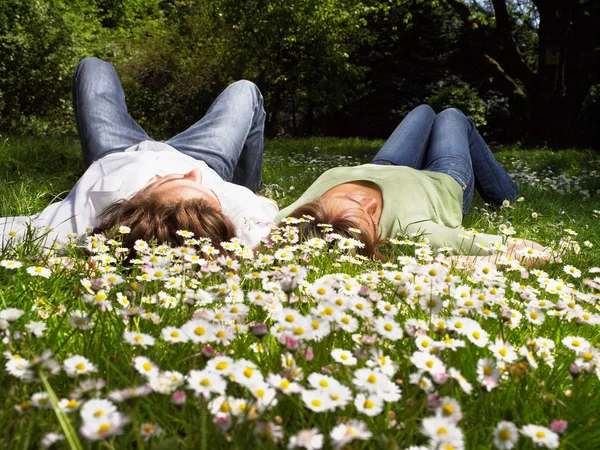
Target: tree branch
(463, 11)
(496, 67)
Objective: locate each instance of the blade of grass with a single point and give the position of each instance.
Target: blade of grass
(64, 421)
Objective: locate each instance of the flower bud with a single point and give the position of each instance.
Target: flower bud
(440, 378)
(223, 421)
(208, 351)
(559, 426)
(506, 315)
(369, 339)
(178, 398)
(308, 354)
(260, 330)
(290, 343)
(574, 370)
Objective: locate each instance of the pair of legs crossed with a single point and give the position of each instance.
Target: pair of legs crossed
(448, 143)
(229, 138)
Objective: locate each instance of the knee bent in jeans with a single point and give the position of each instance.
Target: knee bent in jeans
(246, 85)
(426, 108)
(451, 111)
(92, 63)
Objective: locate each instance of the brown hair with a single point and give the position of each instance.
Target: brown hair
(339, 223)
(152, 217)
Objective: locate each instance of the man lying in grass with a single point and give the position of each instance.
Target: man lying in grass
(421, 181)
(201, 180)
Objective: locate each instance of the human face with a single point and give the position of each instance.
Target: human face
(182, 187)
(358, 203)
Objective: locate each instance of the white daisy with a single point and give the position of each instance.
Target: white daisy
(145, 367)
(41, 400)
(506, 435)
(370, 405)
(138, 339)
(307, 439)
(265, 396)
(428, 362)
(37, 271)
(108, 426)
(317, 400)
(369, 380)
(10, 264)
(173, 335)
(97, 409)
(344, 433)
(283, 384)
(205, 383)
(78, 365)
(343, 357)
(541, 436)
(449, 408)
(199, 331)
(11, 314)
(576, 343)
(442, 432)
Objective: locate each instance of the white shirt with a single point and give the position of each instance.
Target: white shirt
(121, 175)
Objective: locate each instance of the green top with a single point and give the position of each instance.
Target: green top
(414, 201)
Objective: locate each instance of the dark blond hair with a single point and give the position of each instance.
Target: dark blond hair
(340, 224)
(152, 217)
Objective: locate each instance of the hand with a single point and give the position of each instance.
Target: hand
(529, 253)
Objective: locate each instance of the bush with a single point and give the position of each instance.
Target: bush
(461, 97)
(40, 44)
(589, 118)
(173, 69)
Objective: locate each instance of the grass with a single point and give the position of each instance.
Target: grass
(561, 188)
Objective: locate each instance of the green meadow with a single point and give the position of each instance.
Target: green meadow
(303, 344)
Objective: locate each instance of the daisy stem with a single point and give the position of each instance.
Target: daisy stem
(65, 340)
(203, 428)
(64, 421)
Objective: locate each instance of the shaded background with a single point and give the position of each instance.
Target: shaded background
(525, 71)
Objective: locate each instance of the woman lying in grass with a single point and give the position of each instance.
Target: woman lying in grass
(421, 181)
(201, 180)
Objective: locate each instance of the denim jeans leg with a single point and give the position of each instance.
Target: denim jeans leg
(230, 136)
(103, 123)
(449, 151)
(493, 183)
(407, 145)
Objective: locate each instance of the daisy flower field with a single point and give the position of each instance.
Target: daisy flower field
(305, 343)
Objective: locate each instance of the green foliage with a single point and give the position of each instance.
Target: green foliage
(333, 67)
(40, 44)
(590, 117)
(126, 13)
(403, 58)
(298, 51)
(461, 97)
(173, 68)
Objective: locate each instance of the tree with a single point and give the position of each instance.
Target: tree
(297, 51)
(406, 47)
(40, 44)
(552, 87)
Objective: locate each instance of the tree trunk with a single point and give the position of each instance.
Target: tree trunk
(568, 64)
(567, 67)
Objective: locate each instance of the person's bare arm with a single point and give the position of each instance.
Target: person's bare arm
(528, 253)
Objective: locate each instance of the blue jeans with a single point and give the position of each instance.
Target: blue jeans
(229, 138)
(448, 143)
